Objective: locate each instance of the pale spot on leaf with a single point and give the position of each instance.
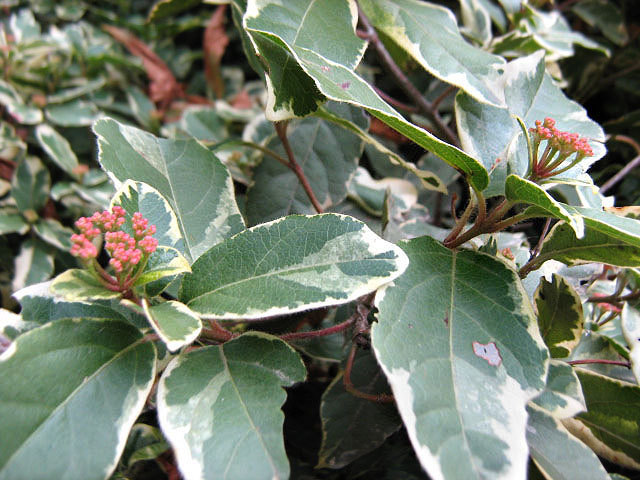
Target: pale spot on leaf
(488, 352)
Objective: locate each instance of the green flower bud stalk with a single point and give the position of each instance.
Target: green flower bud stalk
(555, 158)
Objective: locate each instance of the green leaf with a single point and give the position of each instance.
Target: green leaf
(219, 406)
(608, 239)
(328, 156)
(56, 378)
(560, 316)
(175, 324)
(428, 179)
(562, 396)
(288, 265)
(40, 305)
(58, 148)
(33, 264)
(12, 223)
(605, 16)
(371, 194)
(557, 453)
(163, 9)
(630, 320)
(54, 233)
(493, 136)
(76, 113)
(139, 197)
(429, 33)
(457, 340)
(144, 443)
(289, 33)
(12, 326)
(24, 26)
(16, 107)
(521, 190)
(164, 262)
(551, 31)
(352, 426)
(88, 86)
(188, 175)
(611, 424)
(78, 285)
(204, 124)
(30, 185)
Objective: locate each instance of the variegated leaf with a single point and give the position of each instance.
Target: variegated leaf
(219, 406)
(562, 396)
(560, 316)
(188, 175)
(71, 386)
(288, 265)
(175, 324)
(457, 340)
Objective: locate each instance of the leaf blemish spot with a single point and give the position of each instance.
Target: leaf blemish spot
(488, 352)
(325, 68)
(345, 85)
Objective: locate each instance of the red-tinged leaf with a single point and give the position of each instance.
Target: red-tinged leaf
(163, 86)
(214, 44)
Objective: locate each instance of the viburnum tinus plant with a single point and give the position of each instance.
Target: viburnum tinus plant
(249, 257)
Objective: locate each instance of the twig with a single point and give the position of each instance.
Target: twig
(448, 91)
(412, 92)
(281, 129)
(627, 168)
(536, 251)
(349, 387)
(319, 333)
(396, 103)
(601, 361)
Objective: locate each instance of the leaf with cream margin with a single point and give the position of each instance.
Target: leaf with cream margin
(33, 264)
(175, 324)
(54, 378)
(557, 453)
(430, 34)
(57, 148)
(562, 395)
(288, 265)
(611, 424)
(370, 194)
(140, 197)
(521, 190)
(219, 407)
(457, 339)
(630, 320)
(428, 179)
(493, 136)
(560, 315)
(79, 285)
(39, 304)
(287, 31)
(196, 184)
(608, 239)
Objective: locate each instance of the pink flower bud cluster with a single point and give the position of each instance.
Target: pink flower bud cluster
(560, 146)
(126, 251)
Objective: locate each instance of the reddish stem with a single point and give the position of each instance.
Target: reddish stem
(349, 387)
(318, 333)
(281, 129)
